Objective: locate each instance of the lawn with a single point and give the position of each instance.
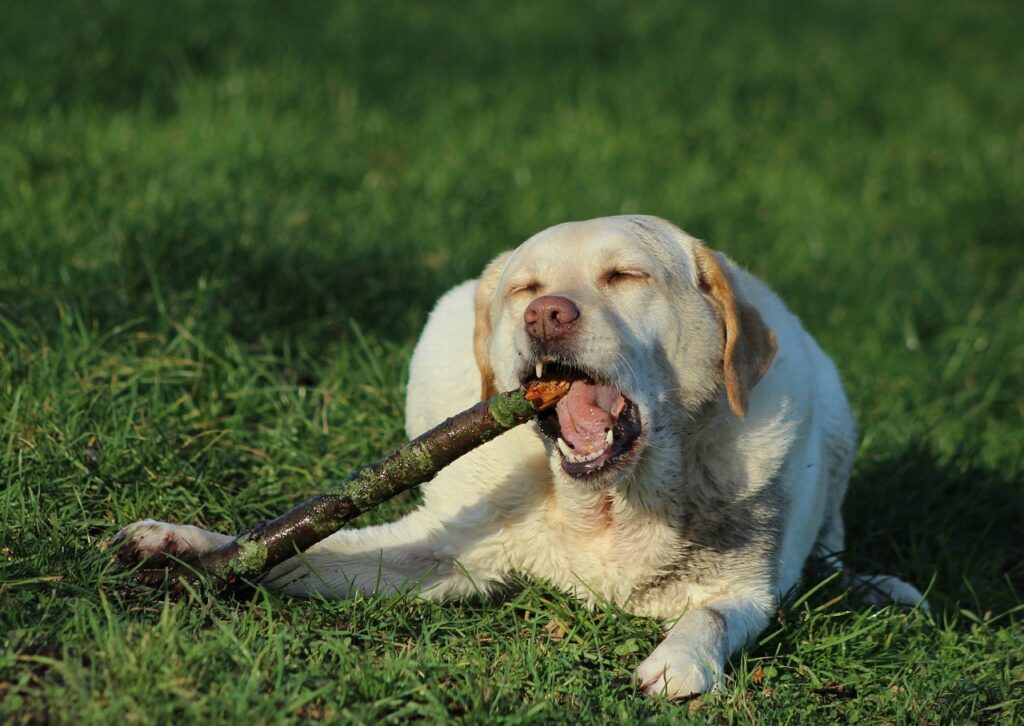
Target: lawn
(222, 225)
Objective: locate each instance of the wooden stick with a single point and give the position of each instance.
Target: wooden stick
(240, 564)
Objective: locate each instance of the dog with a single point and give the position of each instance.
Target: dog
(700, 457)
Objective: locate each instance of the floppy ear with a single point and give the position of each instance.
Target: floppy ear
(750, 344)
(485, 288)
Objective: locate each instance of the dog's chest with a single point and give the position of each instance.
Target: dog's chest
(603, 548)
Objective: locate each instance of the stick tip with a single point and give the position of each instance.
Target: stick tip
(545, 393)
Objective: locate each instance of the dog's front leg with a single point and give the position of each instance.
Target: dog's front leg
(148, 537)
(691, 659)
(417, 553)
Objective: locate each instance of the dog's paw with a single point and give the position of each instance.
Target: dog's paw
(675, 671)
(148, 538)
(882, 590)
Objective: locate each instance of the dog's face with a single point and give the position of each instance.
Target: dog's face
(639, 315)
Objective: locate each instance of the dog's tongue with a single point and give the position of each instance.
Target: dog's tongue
(586, 413)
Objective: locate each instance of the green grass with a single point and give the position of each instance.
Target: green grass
(221, 225)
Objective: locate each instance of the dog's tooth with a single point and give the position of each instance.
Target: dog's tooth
(564, 447)
(540, 368)
(608, 437)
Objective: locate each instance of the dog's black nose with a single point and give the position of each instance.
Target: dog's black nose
(549, 317)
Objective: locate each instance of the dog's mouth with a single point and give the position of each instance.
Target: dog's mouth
(595, 427)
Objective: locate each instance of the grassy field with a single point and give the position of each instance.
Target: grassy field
(222, 224)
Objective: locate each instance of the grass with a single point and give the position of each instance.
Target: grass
(221, 225)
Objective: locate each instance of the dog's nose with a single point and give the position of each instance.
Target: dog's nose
(549, 317)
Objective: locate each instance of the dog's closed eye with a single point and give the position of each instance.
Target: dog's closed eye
(617, 276)
(532, 287)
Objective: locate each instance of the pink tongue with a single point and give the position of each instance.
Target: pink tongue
(586, 413)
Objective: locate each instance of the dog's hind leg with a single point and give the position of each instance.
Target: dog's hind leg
(875, 590)
(880, 590)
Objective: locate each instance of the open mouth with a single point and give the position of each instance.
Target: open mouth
(594, 426)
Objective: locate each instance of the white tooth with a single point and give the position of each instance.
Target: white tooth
(540, 368)
(564, 448)
(583, 458)
(608, 437)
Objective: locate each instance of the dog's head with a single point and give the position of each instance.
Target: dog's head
(642, 317)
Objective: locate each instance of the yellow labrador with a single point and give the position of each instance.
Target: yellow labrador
(700, 457)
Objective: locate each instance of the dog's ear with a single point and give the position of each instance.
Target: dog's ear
(485, 288)
(750, 344)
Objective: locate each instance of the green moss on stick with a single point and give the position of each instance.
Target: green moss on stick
(418, 459)
(509, 409)
(251, 557)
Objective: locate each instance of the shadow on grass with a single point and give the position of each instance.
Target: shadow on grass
(311, 289)
(919, 515)
(272, 292)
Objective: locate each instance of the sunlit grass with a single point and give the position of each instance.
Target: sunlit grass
(222, 225)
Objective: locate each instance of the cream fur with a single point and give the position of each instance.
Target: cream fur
(709, 524)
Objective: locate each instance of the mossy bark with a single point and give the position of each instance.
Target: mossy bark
(241, 563)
